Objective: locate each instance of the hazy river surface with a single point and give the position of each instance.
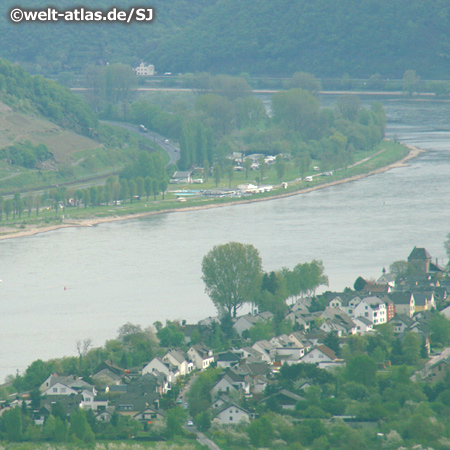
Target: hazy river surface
(77, 283)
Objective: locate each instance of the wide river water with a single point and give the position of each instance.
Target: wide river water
(76, 283)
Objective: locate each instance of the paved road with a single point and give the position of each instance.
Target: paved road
(172, 150)
(206, 441)
(200, 436)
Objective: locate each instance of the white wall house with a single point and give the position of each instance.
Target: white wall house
(224, 385)
(232, 414)
(363, 325)
(201, 356)
(371, 308)
(144, 70)
(157, 364)
(323, 356)
(59, 389)
(178, 360)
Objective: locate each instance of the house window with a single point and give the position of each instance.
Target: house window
(55, 389)
(366, 314)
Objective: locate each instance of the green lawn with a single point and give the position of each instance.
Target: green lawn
(392, 152)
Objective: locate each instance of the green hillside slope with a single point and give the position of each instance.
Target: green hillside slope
(326, 38)
(52, 48)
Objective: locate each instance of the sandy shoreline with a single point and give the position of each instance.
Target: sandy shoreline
(32, 230)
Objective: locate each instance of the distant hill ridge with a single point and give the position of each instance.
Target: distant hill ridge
(53, 48)
(328, 38)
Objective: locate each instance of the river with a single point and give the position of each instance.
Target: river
(77, 283)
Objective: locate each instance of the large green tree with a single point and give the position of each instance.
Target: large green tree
(447, 246)
(298, 110)
(362, 369)
(231, 273)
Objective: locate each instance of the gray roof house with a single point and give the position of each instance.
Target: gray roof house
(231, 414)
(404, 302)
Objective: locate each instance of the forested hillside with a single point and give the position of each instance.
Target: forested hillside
(22, 91)
(326, 38)
(329, 39)
(53, 48)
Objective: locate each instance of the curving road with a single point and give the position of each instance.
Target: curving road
(172, 150)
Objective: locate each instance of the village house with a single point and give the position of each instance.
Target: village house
(404, 303)
(105, 416)
(181, 177)
(302, 304)
(338, 321)
(437, 367)
(387, 279)
(65, 385)
(132, 404)
(401, 322)
(157, 365)
(144, 70)
(284, 399)
(250, 353)
(363, 325)
(247, 321)
(231, 414)
(323, 356)
(424, 301)
(177, 359)
(148, 415)
(221, 400)
(201, 356)
(265, 349)
(244, 323)
(108, 373)
(227, 359)
(371, 308)
(300, 341)
(224, 385)
(302, 318)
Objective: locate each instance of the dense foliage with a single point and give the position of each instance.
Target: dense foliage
(21, 90)
(26, 154)
(329, 39)
(67, 48)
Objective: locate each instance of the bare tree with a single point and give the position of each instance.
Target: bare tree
(83, 348)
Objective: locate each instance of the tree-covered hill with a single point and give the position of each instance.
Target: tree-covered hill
(24, 92)
(327, 38)
(52, 48)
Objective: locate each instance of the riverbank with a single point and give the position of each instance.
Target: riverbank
(29, 230)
